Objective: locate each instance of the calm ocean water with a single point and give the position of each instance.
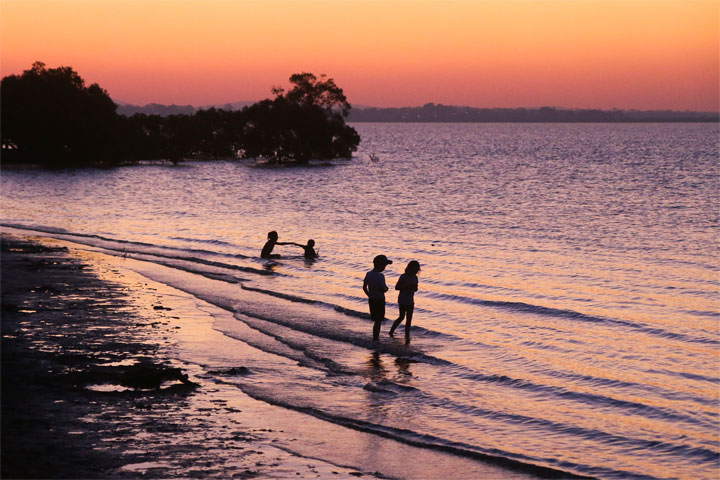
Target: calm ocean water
(569, 301)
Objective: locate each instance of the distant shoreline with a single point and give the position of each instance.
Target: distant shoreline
(351, 121)
(451, 114)
(438, 113)
(539, 121)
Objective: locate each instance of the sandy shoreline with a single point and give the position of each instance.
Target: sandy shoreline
(93, 386)
(89, 391)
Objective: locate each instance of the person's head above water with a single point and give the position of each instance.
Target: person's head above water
(311, 243)
(272, 235)
(380, 262)
(413, 267)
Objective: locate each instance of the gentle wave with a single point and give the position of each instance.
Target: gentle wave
(510, 305)
(632, 408)
(544, 468)
(593, 400)
(574, 315)
(691, 376)
(206, 241)
(698, 453)
(125, 249)
(361, 340)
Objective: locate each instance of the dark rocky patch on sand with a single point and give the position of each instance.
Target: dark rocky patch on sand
(73, 348)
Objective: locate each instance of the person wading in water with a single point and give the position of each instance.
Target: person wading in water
(407, 284)
(375, 287)
(270, 244)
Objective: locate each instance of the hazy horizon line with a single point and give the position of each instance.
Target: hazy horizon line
(242, 103)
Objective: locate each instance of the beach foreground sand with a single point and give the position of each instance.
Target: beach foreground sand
(88, 391)
(92, 387)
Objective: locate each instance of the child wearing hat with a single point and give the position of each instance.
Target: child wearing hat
(375, 287)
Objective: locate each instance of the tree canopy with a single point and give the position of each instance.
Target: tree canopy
(50, 117)
(310, 90)
(306, 122)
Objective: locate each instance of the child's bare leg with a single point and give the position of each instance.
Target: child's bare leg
(408, 323)
(397, 322)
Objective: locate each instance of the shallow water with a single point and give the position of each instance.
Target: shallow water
(567, 314)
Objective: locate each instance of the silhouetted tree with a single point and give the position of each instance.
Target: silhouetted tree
(146, 137)
(310, 90)
(49, 116)
(307, 122)
(218, 133)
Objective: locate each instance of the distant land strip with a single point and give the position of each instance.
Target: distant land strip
(431, 112)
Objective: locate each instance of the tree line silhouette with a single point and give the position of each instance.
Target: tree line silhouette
(50, 117)
(439, 113)
(432, 112)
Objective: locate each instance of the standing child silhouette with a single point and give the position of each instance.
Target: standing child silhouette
(408, 285)
(375, 287)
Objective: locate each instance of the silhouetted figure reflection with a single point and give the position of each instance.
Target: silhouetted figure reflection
(270, 244)
(310, 252)
(403, 365)
(407, 284)
(375, 287)
(377, 371)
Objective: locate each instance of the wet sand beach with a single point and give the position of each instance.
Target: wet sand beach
(88, 389)
(92, 388)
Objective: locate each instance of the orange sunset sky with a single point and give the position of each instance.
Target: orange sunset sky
(644, 54)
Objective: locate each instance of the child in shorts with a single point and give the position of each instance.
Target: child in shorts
(375, 287)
